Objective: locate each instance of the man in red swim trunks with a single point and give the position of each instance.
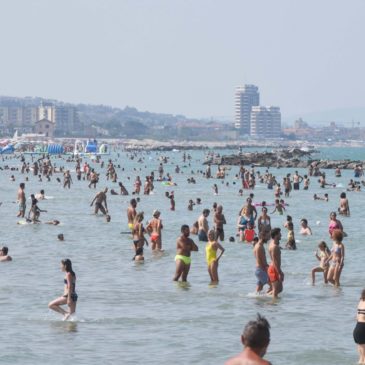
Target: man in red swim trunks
(274, 272)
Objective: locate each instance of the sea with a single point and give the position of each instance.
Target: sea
(130, 313)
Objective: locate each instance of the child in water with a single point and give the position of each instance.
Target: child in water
(291, 245)
(249, 233)
(278, 207)
(322, 255)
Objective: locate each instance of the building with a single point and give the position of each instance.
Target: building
(265, 122)
(246, 97)
(45, 126)
(66, 119)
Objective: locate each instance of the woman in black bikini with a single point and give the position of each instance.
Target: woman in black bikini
(69, 296)
(359, 330)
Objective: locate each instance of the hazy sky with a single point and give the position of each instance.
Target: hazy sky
(186, 56)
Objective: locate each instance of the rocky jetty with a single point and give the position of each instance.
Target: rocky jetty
(282, 158)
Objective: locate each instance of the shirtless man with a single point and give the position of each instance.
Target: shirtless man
(155, 226)
(131, 213)
(261, 263)
(203, 226)
(274, 272)
(40, 195)
(21, 200)
(67, 179)
(99, 199)
(219, 221)
(250, 210)
(4, 254)
(255, 339)
(297, 179)
(184, 246)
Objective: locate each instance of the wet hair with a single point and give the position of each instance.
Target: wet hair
(5, 250)
(275, 232)
(22, 185)
(362, 295)
(333, 213)
(231, 239)
(256, 334)
(68, 266)
(184, 227)
(304, 221)
(337, 235)
(60, 237)
(108, 218)
(343, 195)
(206, 211)
(289, 218)
(133, 201)
(42, 191)
(264, 209)
(139, 252)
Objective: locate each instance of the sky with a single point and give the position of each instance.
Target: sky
(185, 56)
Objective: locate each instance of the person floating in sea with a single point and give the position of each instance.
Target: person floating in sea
(4, 256)
(255, 339)
(184, 246)
(69, 296)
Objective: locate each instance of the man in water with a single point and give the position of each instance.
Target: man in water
(21, 200)
(255, 339)
(99, 199)
(203, 226)
(131, 213)
(184, 246)
(276, 276)
(261, 263)
(4, 254)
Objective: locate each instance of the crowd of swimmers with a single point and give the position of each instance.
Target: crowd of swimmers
(253, 227)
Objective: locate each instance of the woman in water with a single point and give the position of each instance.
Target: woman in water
(344, 208)
(138, 231)
(211, 255)
(359, 330)
(337, 258)
(334, 224)
(264, 225)
(69, 296)
(322, 256)
(155, 226)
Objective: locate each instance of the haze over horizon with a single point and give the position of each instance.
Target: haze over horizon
(185, 57)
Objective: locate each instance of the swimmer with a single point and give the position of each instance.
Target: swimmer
(184, 246)
(255, 339)
(155, 227)
(99, 199)
(40, 195)
(108, 218)
(194, 228)
(274, 271)
(278, 207)
(219, 222)
(290, 244)
(203, 226)
(4, 254)
(131, 213)
(61, 237)
(261, 264)
(21, 200)
(305, 229)
(69, 296)
(322, 256)
(191, 204)
(54, 222)
(113, 192)
(211, 249)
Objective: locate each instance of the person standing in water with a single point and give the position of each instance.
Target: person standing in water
(69, 296)
(184, 246)
(99, 199)
(219, 221)
(359, 330)
(21, 200)
(131, 213)
(203, 226)
(255, 339)
(155, 227)
(211, 249)
(274, 272)
(261, 263)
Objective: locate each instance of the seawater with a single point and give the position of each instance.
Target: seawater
(133, 314)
